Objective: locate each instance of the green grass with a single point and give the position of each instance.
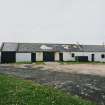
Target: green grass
(24, 62)
(14, 91)
(39, 62)
(76, 62)
(64, 62)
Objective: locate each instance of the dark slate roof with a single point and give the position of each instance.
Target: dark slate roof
(93, 48)
(32, 47)
(9, 46)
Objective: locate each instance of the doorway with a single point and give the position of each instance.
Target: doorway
(81, 58)
(48, 56)
(8, 57)
(92, 58)
(60, 56)
(33, 57)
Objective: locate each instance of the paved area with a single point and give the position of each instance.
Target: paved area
(85, 80)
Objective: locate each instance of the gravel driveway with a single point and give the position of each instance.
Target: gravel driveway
(85, 84)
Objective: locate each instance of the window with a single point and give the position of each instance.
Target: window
(102, 56)
(73, 55)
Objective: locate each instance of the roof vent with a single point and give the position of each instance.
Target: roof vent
(66, 46)
(75, 46)
(44, 47)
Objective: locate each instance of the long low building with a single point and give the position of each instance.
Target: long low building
(32, 52)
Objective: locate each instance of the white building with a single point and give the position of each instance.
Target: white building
(32, 52)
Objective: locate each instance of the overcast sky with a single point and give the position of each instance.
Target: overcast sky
(54, 21)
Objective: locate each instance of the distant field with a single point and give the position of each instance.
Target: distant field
(15, 91)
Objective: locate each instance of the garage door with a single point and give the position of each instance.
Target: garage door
(48, 56)
(82, 58)
(8, 57)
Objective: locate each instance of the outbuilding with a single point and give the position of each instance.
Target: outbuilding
(8, 52)
(32, 52)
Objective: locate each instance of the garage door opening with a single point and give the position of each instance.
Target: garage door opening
(92, 57)
(8, 57)
(48, 56)
(61, 56)
(33, 57)
(82, 58)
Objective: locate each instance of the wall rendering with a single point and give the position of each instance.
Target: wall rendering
(56, 56)
(23, 57)
(67, 56)
(97, 55)
(39, 56)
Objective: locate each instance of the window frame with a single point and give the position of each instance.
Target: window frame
(102, 56)
(73, 55)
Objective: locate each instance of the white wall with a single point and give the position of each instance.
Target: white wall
(83, 54)
(97, 56)
(39, 56)
(56, 56)
(0, 57)
(23, 57)
(67, 56)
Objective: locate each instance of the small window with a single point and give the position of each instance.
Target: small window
(73, 55)
(102, 56)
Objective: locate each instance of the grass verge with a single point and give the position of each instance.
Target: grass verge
(40, 62)
(24, 62)
(76, 62)
(14, 91)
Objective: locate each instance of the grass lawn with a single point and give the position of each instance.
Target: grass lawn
(14, 91)
(38, 62)
(76, 62)
(23, 62)
(60, 62)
